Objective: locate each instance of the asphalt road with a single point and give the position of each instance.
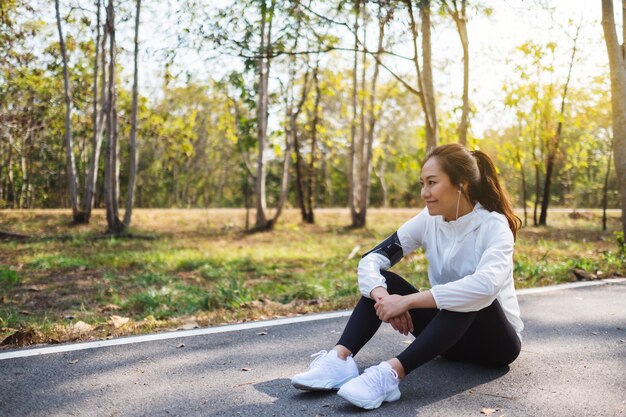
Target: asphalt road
(573, 363)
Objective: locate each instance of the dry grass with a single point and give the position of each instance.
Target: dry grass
(203, 269)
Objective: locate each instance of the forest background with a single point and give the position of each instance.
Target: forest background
(282, 108)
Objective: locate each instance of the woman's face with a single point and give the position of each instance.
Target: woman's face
(439, 194)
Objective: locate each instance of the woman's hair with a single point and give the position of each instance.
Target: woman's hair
(477, 170)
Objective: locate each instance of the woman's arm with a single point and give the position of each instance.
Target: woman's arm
(390, 251)
(494, 270)
(390, 306)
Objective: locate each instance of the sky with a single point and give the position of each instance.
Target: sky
(492, 39)
(514, 22)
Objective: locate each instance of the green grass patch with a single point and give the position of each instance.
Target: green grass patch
(202, 264)
(8, 277)
(165, 302)
(57, 262)
(228, 293)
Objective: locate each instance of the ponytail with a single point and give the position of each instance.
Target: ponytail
(490, 194)
(478, 171)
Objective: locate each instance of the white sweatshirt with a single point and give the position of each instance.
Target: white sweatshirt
(470, 261)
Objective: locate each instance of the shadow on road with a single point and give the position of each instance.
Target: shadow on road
(436, 381)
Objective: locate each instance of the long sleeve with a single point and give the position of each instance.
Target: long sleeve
(410, 237)
(494, 270)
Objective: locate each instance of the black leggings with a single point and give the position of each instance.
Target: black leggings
(483, 337)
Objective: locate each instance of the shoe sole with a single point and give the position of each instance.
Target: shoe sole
(371, 404)
(327, 386)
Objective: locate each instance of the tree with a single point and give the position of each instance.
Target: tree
(617, 65)
(460, 19)
(293, 134)
(71, 164)
(424, 72)
(555, 140)
(130, 198)
(361, 143)
(111, 169)
(98, 116)
(533, 100)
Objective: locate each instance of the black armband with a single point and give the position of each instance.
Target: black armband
(390, 248)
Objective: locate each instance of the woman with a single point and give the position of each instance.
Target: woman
(470, 313)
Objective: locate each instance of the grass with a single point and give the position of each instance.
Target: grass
(202, 268)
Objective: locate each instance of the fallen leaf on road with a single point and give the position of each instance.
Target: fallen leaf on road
(488, 411)
(242, 384)
(118, 321)
(72, 362)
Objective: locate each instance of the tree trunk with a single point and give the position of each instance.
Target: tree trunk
(366, 167)
(98, 120)
(617, 65)
(299, 174)
(114, 225)
(2, 176)
(537, 193)
(291, 131)
(432, 132)
(555, 143)
(361, 205)
(71, 164)
(327, 180)
(25, 179)
(353, 167)
(460, 19)
(380, 173)
(430, 118)
(130, 198)
(523, 186)
(605, 191)
(310, 216)
(262, 223)
(10, 193)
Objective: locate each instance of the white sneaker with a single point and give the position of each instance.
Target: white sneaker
(377, 384)
(326, 372)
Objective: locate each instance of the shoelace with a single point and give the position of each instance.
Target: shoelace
(377, 377)
(317, 361)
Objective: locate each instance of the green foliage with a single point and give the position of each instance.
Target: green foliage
(228, 293)
(197, 137)
(8, 278)
(619, 239)
(168, 301)
(62, 262)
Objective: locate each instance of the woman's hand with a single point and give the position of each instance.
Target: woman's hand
(391, 306)
(402, 323)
